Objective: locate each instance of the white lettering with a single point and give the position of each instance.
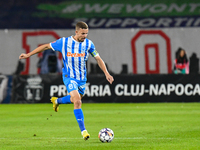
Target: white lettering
(93, 22)
(153, 89)
(62, 90)
(115, 8)
(189, 22)
(174, 6)
(179, 21)
(126, 93)
(196, 89)
(94, 90)
(197, 22)
(72, 8)
(107, 90)
(53, 90)
(170, 88)
(101, 90)
(158, 8)
(162, 90)
(187, 89)
(136, 91)
(96, 8)
(146, 22)
(77, 20)
(113, 22)
(164, 22)
(128, 21)
(193, 6)
(179, 89)
(142, 90)
(138, 8)
(117, 87)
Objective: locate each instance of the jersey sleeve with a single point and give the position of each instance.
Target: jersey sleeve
(57, 45)
(93, 50)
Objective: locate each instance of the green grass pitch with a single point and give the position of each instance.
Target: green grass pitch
(149, 126)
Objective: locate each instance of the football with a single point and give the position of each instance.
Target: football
(106, 135)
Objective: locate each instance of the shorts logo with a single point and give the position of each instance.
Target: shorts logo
(70, 86)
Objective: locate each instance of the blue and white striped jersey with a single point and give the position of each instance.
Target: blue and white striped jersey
(75, 54)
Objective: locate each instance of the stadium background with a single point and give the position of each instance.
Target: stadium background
(137, 40)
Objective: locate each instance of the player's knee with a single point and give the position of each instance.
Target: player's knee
(77, 104)
(76, 99)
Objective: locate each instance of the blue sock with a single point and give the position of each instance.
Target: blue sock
(80, 118)
(64, 100)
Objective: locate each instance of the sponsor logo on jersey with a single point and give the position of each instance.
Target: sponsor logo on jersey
(69, 54)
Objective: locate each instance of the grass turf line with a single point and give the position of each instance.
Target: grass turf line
(136, 126)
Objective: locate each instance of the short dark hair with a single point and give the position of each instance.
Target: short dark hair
(81, 25)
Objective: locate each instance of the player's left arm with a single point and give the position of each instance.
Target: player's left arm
(104, 69)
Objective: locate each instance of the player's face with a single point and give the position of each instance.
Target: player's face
(81, 34)
(182, 53)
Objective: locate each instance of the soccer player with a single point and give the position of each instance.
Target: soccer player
(75, 52)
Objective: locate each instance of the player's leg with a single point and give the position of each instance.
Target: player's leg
(76, 99)
(63, 100)
(76, 90)
(76, 96)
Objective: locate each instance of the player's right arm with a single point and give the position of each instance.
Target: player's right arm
(35, 51)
